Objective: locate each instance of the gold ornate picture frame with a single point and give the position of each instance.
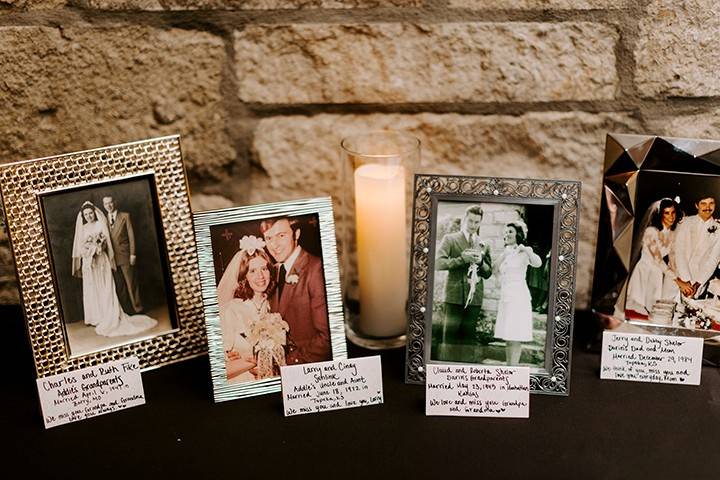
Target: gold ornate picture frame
(231, 242)
(474, 298)
(93, 288)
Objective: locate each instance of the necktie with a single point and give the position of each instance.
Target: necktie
(112, 219)
(281, 280)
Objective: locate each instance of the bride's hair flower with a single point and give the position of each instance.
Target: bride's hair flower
(522, 225)
(251, 243)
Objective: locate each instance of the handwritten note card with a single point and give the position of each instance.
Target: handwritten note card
(477, 391)
(640, 357)
(92, 391)
(322, 386)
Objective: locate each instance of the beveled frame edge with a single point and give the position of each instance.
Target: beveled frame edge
(321, 206)
(160, 158)
(565, 194)
(698, 147)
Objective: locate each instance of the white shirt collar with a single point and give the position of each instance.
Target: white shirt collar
(291, 259)
(704, 222)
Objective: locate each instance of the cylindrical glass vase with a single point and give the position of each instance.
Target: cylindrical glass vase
(378, 177)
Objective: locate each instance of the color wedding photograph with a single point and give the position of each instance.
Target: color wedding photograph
(674, 277)
(271, 295)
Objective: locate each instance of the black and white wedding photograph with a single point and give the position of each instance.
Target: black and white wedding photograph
(271, 295)
(109, 269)
(674, 278)
(491, 285)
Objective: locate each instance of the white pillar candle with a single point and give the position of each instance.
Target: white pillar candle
(381, 249)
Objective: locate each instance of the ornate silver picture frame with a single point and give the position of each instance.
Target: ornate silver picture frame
(493, 275)
(271, 290)
(658, 250)
(105, 256)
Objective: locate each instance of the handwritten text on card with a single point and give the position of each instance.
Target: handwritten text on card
(92, 391)
(477, 391)
(640, 357)
(322, 386)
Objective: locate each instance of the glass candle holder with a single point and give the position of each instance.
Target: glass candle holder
(378, 176)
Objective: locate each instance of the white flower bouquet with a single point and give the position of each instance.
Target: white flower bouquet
(268, 336)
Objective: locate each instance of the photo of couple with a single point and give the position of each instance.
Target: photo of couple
(491, 283)
(676, 251)
(271, 295)
(104, 301)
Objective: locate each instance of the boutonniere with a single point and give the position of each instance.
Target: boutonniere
(712, 229)
(292, 279)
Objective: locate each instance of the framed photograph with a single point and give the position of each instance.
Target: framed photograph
(105, 256)
(271, 290)
(493, 275)
(658, 250)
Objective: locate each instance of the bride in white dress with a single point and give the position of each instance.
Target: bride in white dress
(654, 278)
(514, 316)
(93, 261)
(253, 337)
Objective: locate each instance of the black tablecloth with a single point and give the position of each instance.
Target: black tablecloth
(604, 429)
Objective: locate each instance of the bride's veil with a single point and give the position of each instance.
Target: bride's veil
(229, 280)
(79, 240)
(640, 232)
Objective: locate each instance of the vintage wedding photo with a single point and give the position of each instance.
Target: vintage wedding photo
(674, 277)
(271, 295)
(109, 269)
(491, 286)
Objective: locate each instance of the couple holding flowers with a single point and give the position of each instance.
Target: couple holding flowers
(272, 304)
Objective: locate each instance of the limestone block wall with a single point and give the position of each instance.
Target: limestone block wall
(262, 90)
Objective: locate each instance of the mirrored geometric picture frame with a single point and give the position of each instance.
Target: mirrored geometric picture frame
(493, 276)
(658, 250)
(255, 320)
(105, 256)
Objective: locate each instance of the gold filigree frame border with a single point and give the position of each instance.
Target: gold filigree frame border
(321, 206)
(565, 196)
(23, 183)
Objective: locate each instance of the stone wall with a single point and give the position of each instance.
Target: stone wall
(262, 90)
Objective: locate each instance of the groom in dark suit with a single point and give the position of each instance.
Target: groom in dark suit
(122, 237)
(458, 252)
(300, 293)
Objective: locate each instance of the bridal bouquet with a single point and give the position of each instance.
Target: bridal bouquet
(268, 337)
(94, 245)
(472, 273)
(695, 314)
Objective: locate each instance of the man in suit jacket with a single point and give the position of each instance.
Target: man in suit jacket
(457, 253)
(122, 237)
(300, 293)
(697, 248)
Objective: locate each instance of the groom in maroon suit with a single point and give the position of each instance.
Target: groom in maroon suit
(300, 293)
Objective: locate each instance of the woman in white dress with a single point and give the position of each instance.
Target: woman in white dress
(514, 316)
(93, 260)
(653, 277)
(253, 337)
